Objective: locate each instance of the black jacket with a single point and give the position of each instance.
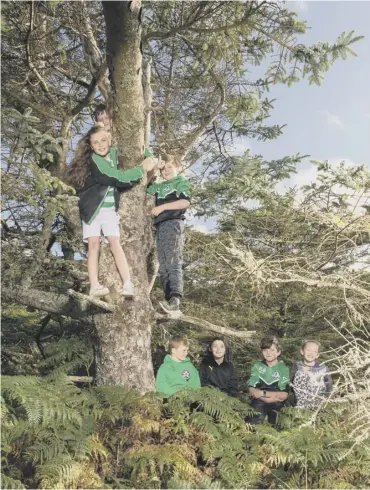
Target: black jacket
(222, 376)
(96, 186)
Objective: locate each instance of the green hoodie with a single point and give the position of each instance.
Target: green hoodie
(173, 376)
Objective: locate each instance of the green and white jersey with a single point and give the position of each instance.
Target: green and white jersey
(170, 191)
(109, 199)
(269, 378)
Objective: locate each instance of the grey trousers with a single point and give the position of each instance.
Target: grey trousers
(170, 245)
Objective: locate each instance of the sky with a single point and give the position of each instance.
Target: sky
(330, 121)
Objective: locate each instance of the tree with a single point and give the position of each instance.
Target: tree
(202, 99)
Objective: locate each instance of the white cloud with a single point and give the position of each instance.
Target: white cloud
(333, 120)
(301, 5)
(310, 175)
(240, 146)
(367, 115)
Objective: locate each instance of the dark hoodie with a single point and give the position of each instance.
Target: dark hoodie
(221, 376)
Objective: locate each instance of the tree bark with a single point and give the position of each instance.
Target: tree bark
(123, 353)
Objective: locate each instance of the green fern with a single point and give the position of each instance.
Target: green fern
(9, 483)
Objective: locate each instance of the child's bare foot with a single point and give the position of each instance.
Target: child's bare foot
(128, 290)
(98, 291)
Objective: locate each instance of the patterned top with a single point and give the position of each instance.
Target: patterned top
(311, 384)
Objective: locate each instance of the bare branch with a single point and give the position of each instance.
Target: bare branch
(199, 322)
(53, 303)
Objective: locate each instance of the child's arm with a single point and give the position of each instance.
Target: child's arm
(195, 378)
(161, 383)
(328, 382)
(110, 176)
(253, 380)
(233, 382)
(275, 396)
(203, 375)
(171, 206)
(103, 174)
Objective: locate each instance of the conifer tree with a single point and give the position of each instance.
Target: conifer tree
(55, 58)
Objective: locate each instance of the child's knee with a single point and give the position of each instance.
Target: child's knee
(93, 243)
(113, 242)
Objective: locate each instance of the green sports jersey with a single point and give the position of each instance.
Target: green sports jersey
(179, 186)
(269, 378)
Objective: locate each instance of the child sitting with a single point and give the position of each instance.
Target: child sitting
(176, 372)
(172, 200)
(310, 380)
(217, 370)
(97, 180)
(268, 384)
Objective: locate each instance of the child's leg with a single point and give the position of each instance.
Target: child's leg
(260, 407)
(174, 245)
(272, 411)
(119, 257)
(93, 247)
(161, 251)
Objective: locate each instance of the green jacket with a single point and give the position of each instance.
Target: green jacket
(103, 175)
(173, 376)
(269, 378)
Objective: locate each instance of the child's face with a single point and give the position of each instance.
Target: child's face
(310, 352)
(100, 143)
(180, 352)
(271, 354)
(104, 118)
(218, 349)
(169, 171)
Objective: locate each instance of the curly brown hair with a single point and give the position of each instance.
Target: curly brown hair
(77, 171)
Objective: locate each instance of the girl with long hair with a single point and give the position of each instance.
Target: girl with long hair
(94, 174)
(216, 369)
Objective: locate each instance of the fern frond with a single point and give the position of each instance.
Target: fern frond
(9, 483)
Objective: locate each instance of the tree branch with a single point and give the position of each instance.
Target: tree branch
(198, 322)
(38, 108)
(91, 90)
(54, 303)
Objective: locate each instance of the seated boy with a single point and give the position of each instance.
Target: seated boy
(268, 384)
(310, 380)
(176, 372)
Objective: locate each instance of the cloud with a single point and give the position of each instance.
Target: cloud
(301, 5)
(240, 146)
(333, 120)
(309, 174)
(367, 115)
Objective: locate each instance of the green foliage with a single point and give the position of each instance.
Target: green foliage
(56, 435)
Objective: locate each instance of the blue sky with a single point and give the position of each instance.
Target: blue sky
(330, 121)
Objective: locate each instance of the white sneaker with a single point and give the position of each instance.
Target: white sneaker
(128, 290)
(98, 291)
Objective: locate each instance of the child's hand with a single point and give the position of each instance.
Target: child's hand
(149, 164)
(99, 125)
(160, 164)
(157, 210)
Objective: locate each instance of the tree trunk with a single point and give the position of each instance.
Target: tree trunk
(123, 351)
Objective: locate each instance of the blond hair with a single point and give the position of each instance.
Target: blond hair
(176, 341)
(311, 342)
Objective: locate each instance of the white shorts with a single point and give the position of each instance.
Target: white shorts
(106, 221)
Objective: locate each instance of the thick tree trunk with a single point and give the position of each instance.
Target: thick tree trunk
(123, 356)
